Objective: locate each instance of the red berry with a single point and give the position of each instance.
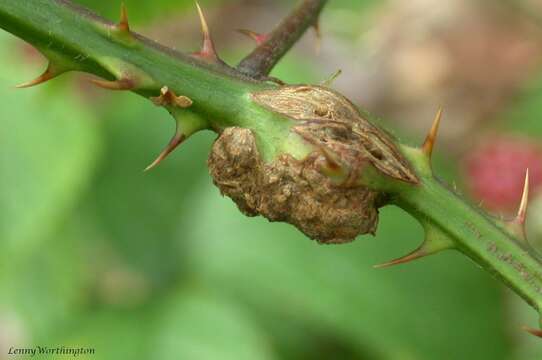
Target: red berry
(495, 170)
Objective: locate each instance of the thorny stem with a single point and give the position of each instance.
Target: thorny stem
(261, 61)
(75, 39)
(479, 236)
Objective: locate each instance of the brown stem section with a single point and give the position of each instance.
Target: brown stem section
(261, 61)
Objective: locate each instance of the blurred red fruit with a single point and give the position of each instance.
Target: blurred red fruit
(495, 171)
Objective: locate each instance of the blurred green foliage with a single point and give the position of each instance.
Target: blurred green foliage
(96, 253)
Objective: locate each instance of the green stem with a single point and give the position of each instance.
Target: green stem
(81, 40)
(73, 38)
(473, 232)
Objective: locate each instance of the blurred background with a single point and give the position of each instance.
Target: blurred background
(96, 253)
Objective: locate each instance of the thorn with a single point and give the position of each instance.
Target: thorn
(208, 47)
(416, 254)
(522, 211)
(123, 22)
(168, 97)
(434, 242)
(175, 141)
(532, 331)
(47, 75)
(332, 78)
(517, 225)
(257, 37)
(121, 84)
(429, 143)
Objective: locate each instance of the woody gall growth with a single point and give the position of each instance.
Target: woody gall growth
(303, 154)
(314, 179)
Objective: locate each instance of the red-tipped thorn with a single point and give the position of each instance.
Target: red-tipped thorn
(168, 97)
(123, 24)
(532, 331)
(416, 254)
(258, 38)
(177, 139)
(208, 47)
(522, 211)
(121, 84)
(46, 76)
(429, 143)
